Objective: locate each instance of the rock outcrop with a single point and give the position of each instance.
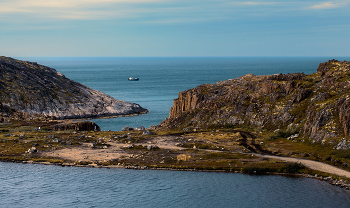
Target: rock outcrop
(33, 89)
(316, 105)
(77, 126)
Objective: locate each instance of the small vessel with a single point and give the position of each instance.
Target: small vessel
(133, 79)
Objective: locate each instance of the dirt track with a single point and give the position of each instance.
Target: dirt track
(84, 153)
(311, 164)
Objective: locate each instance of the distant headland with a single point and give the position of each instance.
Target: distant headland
(31, 90)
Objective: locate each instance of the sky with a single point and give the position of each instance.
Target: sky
(174, 28)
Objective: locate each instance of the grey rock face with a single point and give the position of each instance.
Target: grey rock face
(315, 106)
(35, 89)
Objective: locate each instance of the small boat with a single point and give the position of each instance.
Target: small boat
(133, 79)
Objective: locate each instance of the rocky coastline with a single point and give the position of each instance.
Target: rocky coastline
(340, 183)
(224, 127)
(32, 91)
(314, 107)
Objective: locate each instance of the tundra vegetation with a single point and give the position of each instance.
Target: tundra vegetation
(213, 127)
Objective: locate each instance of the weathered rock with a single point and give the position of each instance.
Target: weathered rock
(56, 140)
(32, 150)
(145, 133)
(140, 128)
(127, 128)
(152, 147)
(77, 126)
(317, 104)
(29, 89)
(302, 95)
(342, 145)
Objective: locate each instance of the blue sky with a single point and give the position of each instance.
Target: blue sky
(31, 28)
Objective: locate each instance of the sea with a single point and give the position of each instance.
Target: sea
(160, 81)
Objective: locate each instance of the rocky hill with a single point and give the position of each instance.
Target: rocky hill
(28, 89)
(315, 106)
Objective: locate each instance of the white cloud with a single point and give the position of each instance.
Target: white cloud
(327, 5)
(70, 9)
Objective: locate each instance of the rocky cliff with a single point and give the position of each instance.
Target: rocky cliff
(28, 89)
(317, 106)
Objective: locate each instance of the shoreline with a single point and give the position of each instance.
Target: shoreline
(340, 183)
(204, 151)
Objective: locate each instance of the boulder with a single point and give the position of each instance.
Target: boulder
(56, 140)
(32, 150)
(152, 147)
(127, 128)
(140, 128)
(145, 133)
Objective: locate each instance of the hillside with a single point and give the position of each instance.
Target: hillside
(28, 89)
(315, 106)
(283, 123)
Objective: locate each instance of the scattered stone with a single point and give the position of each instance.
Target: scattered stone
(152, 147)
(140, 128)
(148, 133)
(56, 140)
(293, 137)
(32, 150)
(127, 128)
(81, 137)
(342, 145)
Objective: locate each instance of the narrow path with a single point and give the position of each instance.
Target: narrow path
(311, 164)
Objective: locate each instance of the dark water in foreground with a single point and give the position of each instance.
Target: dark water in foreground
(24, 185)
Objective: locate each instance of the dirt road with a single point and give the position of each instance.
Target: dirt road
(311, 164)
(115, 151)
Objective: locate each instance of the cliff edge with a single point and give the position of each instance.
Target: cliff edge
(315, 106)
(27, 89)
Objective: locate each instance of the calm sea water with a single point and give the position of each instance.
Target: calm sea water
(160, 81)
(24, 185)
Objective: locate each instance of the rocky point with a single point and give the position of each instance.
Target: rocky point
(29, 90)
(315, 106)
